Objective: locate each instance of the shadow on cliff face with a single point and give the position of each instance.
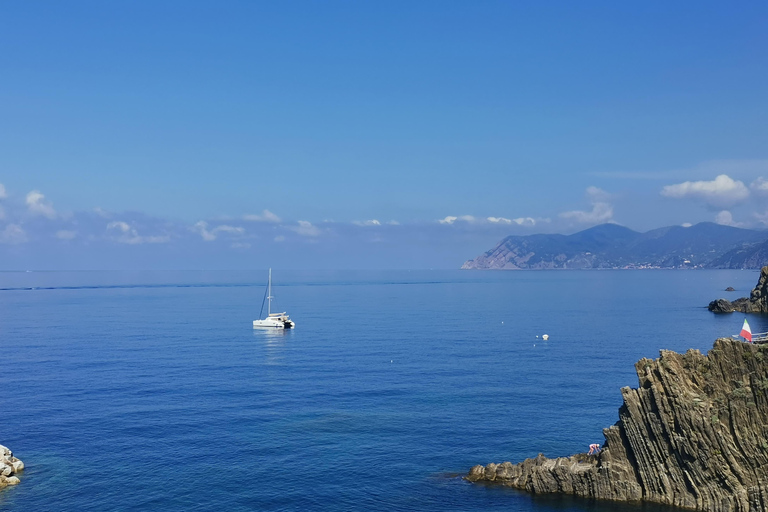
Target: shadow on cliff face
(569, 503)
(566, 503)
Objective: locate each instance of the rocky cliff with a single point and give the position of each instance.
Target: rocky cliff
(743, 256)
(756, 303)
(694, 434)
(9, 467)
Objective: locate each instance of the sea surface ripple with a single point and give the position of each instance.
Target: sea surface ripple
(151, 391)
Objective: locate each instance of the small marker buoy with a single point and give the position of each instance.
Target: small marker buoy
(537, 336)
(390, 360)
(545, 337)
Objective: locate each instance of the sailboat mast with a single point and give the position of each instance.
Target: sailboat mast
(269, 293)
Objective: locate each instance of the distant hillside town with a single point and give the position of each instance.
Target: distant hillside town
(611, 246)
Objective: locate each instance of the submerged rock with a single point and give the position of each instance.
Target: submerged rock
(691, 435)
(756, 303)
(9, 467)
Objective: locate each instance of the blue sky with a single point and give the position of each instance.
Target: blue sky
(183, 134)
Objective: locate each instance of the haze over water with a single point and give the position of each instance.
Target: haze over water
(151, 391)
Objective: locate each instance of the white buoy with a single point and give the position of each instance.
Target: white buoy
(537, 336)
(545, 337)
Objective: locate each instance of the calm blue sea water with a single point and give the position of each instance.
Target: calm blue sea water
(151, 391)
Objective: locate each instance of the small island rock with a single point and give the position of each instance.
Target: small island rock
(721, 306)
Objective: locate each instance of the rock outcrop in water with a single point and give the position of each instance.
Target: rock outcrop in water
(9, 467)
(756, 303)
(694, 434)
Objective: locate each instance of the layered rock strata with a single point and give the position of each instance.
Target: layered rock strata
(9, 467)
(694, 434)
(756, 303)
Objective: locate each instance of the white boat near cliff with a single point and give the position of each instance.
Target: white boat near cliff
(273, 320)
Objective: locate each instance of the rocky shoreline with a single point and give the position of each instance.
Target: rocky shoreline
(694, 434)
(756, 303)
(9, 467)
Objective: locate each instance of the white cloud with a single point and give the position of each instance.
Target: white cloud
(119, 225)
(64, 234)
(393, 223)
(722, 192)
(3, 193)
(37, 205)
(598, 195)
(202, 228)
(305, 228)
(372, 222)
(211, 235)
(726, 219)
(527, 221)
(279, 238)
(266, 216)
(602, 210)
(499, 221)
(128, 235)
(520, 221)
(450, 219)
(13, 234)
(600, 213)
(102, 212)
(686, 224)
(761, 217)
(760, 186)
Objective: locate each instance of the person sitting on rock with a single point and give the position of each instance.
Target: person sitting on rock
(593, 448)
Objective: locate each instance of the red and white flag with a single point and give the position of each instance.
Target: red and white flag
(746, 332)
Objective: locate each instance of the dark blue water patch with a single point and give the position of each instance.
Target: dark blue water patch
(165, 398)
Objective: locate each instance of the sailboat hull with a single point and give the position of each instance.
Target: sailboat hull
(272, 324)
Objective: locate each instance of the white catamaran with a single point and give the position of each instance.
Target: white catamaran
(273, 320)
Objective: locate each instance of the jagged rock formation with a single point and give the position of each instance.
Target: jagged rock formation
(694, 434)
(9, 467)
(756, 303)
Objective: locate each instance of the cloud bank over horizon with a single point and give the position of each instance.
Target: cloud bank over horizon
(31, 223)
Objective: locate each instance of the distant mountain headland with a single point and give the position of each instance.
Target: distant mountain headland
(704, 245)
(692, 435)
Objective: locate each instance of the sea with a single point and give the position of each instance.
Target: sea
(151, 391)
